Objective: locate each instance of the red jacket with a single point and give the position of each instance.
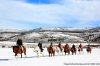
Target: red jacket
(59, 45)
(80, 46)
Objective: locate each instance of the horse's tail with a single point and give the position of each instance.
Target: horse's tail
(24, 50)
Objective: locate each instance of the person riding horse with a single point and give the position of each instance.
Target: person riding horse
(19, 49)
(20, 43)
(73, 46)
(73, 49)
(51, 50)
(40, 46)
(89, 48)
(80, 47)
(66, 49)
(67, 46)
(60, 46)
(52, 46)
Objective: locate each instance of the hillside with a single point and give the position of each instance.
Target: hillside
(51, 35)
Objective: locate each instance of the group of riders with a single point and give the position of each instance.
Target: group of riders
(67, 46)
(20, 44)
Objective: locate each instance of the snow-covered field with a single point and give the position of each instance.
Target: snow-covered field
(7, 58)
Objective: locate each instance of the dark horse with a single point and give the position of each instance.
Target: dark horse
(88, 49)
(19, 50)
(73, 50)
(67, 50)
(51, 51)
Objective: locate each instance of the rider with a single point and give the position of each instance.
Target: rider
(51, 45)
(20, 43)
(60, 46)
(67, 46)
(80, 47)
(40, 46)
(73, 46)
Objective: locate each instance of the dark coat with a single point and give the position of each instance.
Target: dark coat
(40, 46)
(73, 46)
(19, 42)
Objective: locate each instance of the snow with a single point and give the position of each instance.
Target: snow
(12, 30)
(33, 35)
(9, 44)
(7, 58)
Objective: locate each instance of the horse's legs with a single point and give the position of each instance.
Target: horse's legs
(75, 52)
(58, 52)
(21, 55)
(90, 51)
(68, 52)
(72, 52)
(16, 54)
(42, 53)
(25, 54)
(81, 49)
(62, 53)
(38, 54)
(49, 54)
(65, 53)
(54, 54)
(24, 51)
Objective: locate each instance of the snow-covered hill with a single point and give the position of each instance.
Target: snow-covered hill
(44, 34)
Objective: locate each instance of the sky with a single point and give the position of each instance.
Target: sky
(29, 14)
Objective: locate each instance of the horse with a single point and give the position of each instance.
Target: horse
(59, 50)
(80, 49)
(67, 50)
(88, 50)
(73, 50)
(19, 50)
(51, 51)
(38, 51)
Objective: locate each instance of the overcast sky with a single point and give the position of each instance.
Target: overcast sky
(29, 14)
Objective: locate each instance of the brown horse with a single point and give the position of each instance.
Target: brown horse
(67, 50)
(73, 50)
(51, 51)
(89, 50)
(19, 50)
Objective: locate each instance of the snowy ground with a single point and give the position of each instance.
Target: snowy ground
(7, 58)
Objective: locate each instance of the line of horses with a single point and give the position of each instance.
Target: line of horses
(51, 50)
